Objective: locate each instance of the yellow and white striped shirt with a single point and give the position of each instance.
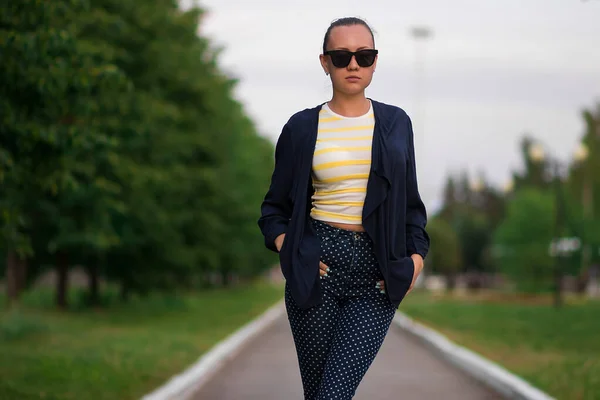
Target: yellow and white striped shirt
(341, 165)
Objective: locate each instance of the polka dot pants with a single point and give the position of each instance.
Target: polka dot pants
(337, 341)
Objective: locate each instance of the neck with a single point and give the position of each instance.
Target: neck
(349, 105)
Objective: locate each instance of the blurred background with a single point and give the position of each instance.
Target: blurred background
(136, 145)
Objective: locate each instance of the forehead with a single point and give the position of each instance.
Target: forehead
(350, 37)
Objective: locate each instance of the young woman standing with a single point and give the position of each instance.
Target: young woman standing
(344, 213)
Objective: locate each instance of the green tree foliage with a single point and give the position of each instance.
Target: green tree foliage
(55, 95)
(584, 185)
(122, 148)
(445, 254)
(473, 209)
(522, 240)
(542, 206)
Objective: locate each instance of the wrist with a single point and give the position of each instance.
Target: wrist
(279, 241)
(418, 260)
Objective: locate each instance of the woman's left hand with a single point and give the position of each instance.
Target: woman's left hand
(418, 261)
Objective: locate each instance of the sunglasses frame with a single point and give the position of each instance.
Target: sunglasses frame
(332, 53)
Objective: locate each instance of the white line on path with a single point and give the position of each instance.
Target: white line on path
(192, 379)
(479, 367)
(189, 381)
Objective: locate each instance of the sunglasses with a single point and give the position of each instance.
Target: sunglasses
(341, 58)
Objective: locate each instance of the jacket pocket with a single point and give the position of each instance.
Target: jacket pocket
(400, 277)
(284, 244)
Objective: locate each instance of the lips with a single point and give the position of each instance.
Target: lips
(352, 78)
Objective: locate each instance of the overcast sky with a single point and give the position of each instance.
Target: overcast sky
(493, 70)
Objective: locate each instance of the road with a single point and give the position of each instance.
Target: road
(404, 369)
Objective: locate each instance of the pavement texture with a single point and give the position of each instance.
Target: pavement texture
(267, 369)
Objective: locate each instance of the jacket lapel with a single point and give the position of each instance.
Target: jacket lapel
(379, 181)
(307, 150)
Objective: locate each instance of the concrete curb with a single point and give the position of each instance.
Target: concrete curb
(477, 366)
(182, 386)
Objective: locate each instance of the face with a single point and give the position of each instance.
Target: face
(353, 79)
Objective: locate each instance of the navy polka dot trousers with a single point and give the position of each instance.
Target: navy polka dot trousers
(337, 341)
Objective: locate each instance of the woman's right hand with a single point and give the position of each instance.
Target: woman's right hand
(279, 241)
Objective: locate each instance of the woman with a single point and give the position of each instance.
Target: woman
(344, 213)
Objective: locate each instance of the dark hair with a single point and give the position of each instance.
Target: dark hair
(347, 21)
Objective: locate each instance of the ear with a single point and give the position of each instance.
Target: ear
(324, 63)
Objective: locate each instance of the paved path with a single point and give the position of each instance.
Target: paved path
(404, 369)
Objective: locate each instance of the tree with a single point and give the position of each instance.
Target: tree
(124, 149)
(473, 209)
(52, 90)
(445, 253)
(522, 240)
(585, 186)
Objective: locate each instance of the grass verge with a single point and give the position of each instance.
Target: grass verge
(121, 352)
(557, 350)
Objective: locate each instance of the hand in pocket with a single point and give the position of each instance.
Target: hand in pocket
(279, 241)
(323, 269)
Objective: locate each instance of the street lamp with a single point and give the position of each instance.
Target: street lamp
(508, 186)
(536, 152)
(477, 188)
(581, 153)
(477, 185)
(581, 156)
(420, 34)
(538, 155)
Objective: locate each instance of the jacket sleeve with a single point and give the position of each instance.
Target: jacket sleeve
(276, 208)
(417, 239)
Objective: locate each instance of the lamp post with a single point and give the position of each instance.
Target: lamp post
(420, 34)
(581, 156)
(538, 155)
(558, 248)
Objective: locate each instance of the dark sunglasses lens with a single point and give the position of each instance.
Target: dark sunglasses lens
(365, 58)
(340, 59)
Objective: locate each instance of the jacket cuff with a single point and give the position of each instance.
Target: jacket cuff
(275, 231)
(417, 246)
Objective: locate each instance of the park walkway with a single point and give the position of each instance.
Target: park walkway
(404, 369)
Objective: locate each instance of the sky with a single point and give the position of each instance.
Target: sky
(491, 71)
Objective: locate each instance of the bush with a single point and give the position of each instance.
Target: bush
(15, 325)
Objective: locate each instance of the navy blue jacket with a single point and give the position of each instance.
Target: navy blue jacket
(394, 215)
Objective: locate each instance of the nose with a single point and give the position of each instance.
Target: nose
(353, 64)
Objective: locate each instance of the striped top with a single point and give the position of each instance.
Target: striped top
(341, 165)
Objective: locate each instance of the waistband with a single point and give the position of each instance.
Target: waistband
(334, 231)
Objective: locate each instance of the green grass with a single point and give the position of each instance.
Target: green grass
(557, 350)
(120, 352)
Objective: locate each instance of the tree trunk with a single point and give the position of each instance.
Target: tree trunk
(21, 275)
(62, 279)
(125, 290)
(12, 274)
(225, 278)
(93, 284)
(582, 282)
(450, 281)
(558, 283)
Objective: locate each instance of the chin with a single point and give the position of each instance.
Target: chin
(352, 90)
